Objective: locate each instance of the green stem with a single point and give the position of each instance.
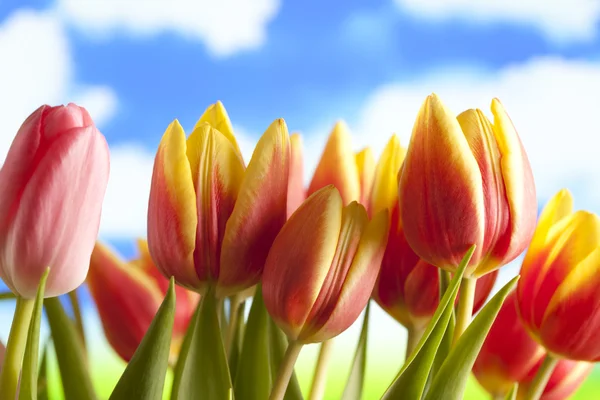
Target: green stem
(414, 336)
(7, 296)
(542, 377)
(74, 298)
(234, 304)
(466, 297)
(15, 348)
(317, 390)
(286, 368)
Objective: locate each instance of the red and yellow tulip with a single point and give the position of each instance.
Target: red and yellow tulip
(558, 297)
(466, 181)
(566, 378)
(407, 287)
(296, 190)
(128, 295)
(322, 267)
(211, 221)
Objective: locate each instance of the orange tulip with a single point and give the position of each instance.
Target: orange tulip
(322, 267)
(566, 378)
(128, 296)
(296, 190)
(558, 294)
(365, 163)
(407, 287)
(210, 221)
(466, 181)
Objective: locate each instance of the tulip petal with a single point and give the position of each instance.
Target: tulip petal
(126, 299)
(217, 173)
(216, 116)
(440, 190)
(338, 166)
(259, 213)
(172, 218)
(300, 258)
(365, 163)
(571, 322)
(55, 219)
(296, 190)
(384, 194)
(359, 281)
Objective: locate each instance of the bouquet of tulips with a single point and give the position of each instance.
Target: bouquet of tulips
(422, 232)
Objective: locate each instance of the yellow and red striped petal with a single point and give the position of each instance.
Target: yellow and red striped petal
(384, 194)
(338, 166)
(300, 259)
(216, 116)
(217, 173)
(172, 216)
(440, 190)
(365, 163)
(296, 190)
(359, 280)
(259, 213)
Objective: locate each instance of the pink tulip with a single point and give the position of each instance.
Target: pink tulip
(51, 189)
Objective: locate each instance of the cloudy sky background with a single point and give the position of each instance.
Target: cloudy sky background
(137, 67)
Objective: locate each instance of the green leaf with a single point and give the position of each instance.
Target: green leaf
(450, 381)
(28, 389)
(512, 395)
(70, 354)
(446, 344)
(236, 346)
(202, 371)
(42, 380)
(412, 378)
(253, 378)
(144, 377)
(278, 346)
(356, 379)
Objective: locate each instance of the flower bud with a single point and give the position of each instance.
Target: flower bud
(128, 295)
(407, 287)
(365, 163)
(211, 222)
(558, 293)
(322, 266)
(296, 190)
(466, 181)
(53, 184)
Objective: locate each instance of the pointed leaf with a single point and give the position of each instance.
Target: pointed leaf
(412, 379)
(450, 381)
(144, 377)
(202, 371)
(512, 395)
(253, 378)
(28, 389)
(278, 346)
(70, 354)
(42, 380)
(356, 379)
(446, 344)
(236, 346)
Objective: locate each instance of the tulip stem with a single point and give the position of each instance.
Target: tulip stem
(414, 336)
(74, 298)
(15, 348)
(542, 377)
(286, 368)
(317, 389)
(233, 326)
(466, 298)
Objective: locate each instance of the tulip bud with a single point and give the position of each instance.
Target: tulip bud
(365, 163)
(296, 190)
(510, 355)
(558, 295)
(338, 166)
(407, 287)
(322, 266)
(210, 221)
(466, 181)
(128, 296)
(53, 184)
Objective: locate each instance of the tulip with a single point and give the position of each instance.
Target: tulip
(338, 166)
(296, 190)
(53, 184)
(558, 295)
(407, 287)
(466, 181)
(365, 163)
(565, 380)
(211, 222)
(128, 295)
(322, 267)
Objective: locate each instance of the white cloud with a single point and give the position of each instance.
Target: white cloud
(552, 102)
(560, 20)
(37, 69)
(226, 26)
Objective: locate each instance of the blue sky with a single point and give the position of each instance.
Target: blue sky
(310, 62)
